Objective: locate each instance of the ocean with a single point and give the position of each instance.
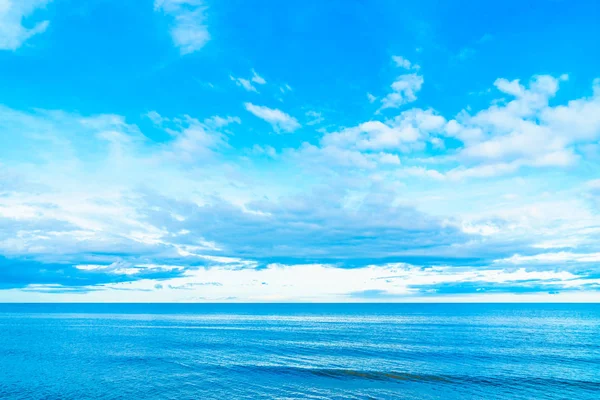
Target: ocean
(300, 351)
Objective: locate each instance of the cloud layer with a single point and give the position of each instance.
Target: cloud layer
(223, 184)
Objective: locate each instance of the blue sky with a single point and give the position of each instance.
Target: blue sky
(191, 150)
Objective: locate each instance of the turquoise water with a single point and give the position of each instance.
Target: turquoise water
(299, 351)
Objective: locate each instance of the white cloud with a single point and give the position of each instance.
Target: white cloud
(499, 140)
(279, 120)
(244, 83)
(404, 63)
(399, 133)
(404, 90)
(578, 120)
(12, 12)
(594, 184)
(101, 184)
(437, 143)
(257, 78)
(126, 268)
(323, 283)
(217, 122)
(421, 172)
(188, 27)
(114, 170)
(285, 88)
(401, 62)
(316, 117)
(510, 87)
(387, 158)
(483, 171)
(155, 117)
(266, 150)
(325, 155)
(525, 131)
(558, 257)
(194, 139)
(247, 83)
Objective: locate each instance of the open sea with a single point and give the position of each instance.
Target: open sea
(300, 351)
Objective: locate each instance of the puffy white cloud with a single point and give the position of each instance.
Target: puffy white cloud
(279, 120)
(387, 158)
(188, 26)
(404, 88)
(398, 134)
(12, 12)
(525, 131)
(578, 120)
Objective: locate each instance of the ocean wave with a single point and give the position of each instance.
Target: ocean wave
(395, 376)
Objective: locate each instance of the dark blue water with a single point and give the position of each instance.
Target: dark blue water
(300, 351)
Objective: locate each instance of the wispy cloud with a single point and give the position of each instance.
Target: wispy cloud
(257, 78)
(244, 83)
(315, 117)
(12, 32)
(264, 150)
(188, 23)
(485, 38)
(285, 88)
(465, 53)
(279, 120)
(404, 63)
(248, 83)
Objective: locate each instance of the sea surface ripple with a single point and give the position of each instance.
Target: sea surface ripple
(298, 351)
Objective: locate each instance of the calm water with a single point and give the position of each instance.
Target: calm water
(300, 351)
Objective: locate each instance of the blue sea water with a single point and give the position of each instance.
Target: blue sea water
(317, 351)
